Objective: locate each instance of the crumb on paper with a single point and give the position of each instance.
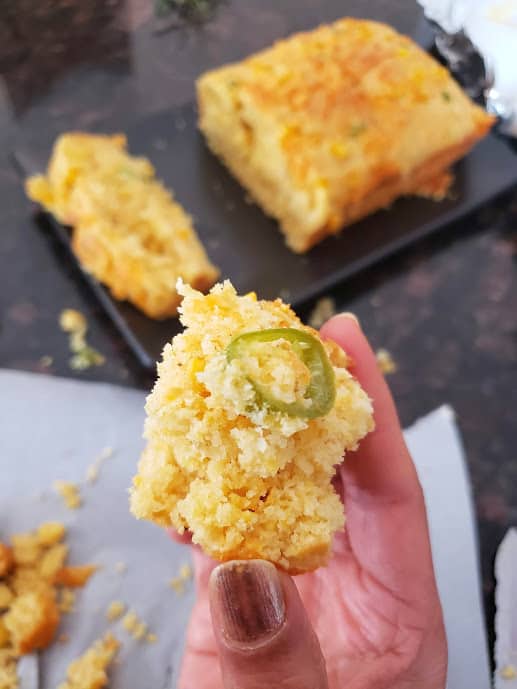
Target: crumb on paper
(89, 670)
(324, 309)
(74, 323)
(70, 494)
(135, 626)
(121, 567)
(93, 471)
(66, 601)
(74, 576)
(115, 610)
(151, 638)
(178, 582)
(385, 362)
(508, 672)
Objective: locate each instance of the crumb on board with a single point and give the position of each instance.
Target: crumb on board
(74, 323)
(151, 638)
(93, 471)
(385, 361)
(115, 610)
(120, 567)
(89, 671)
(70, 493)
(508, 672)
(324, 309)
(186, 571)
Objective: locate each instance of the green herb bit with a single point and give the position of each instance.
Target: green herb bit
(358, 129)
(446, 96)
(321, 391)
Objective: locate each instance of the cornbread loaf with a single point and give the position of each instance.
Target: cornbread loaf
(330, 125)
(246, 423)
(127, 229)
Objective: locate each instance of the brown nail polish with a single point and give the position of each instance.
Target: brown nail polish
(248, 600)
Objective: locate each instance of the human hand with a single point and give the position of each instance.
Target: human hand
(374, 609)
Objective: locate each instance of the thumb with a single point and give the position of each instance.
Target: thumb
(263, 634)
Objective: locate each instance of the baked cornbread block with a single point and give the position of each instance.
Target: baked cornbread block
(246, 423)
(128, 231)
(90, 670)
(330, 125)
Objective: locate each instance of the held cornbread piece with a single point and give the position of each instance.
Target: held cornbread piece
(328, 126)
(127, 229)
(247, 421)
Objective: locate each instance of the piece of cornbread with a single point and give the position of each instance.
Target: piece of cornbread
(330, 125)
(128, 231)
(248, 480)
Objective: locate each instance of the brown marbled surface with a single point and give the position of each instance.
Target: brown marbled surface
(446, 309)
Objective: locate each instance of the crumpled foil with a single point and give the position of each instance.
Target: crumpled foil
(478, 40)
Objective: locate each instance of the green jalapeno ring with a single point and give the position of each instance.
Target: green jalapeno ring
(321, 389)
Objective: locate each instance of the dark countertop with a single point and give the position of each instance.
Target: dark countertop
(445, 309)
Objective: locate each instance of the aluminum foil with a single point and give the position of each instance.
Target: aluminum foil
(478, 40)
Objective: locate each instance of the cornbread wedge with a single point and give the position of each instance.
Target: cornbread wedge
(328, 126)
(127, 229)
(247, 421)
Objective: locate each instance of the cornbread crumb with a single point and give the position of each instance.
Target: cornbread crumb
(385, 362)
(6, 559)
(6, 596)
(324, 309)
(70, 494)
(66, 602)
(89, 671)
(32, 621)
(63, 638)
(74, 576)
(53, 560)
(508, 672)
(130, 621)
(115, 610)
(92, 473)
(120, 567)
(151, 638)
(246, 480)
(50, 533)
(8, 675)
(74, 323)
(178, 584)
(186, 571)
(46, 361)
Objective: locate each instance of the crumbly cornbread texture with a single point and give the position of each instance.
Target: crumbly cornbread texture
(330, 125)
(247, 481)
(128, 231)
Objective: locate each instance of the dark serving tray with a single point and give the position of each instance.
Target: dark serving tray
(248, 246)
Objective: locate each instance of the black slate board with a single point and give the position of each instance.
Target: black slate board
(248, 246)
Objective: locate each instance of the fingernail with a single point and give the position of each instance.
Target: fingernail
(247, 600)
(349, 314)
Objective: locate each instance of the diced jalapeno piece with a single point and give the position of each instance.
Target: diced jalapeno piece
(321, 390)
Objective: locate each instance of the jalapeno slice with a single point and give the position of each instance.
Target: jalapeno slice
(321, 390)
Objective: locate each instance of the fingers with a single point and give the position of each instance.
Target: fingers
(262, 631)
(382, 466)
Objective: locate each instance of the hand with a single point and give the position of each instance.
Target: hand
(374, 610)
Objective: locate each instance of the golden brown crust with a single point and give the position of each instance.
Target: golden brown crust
(32, 621)
(329, 125)
(6, 559)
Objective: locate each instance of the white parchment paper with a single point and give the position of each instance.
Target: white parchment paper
(54, 429)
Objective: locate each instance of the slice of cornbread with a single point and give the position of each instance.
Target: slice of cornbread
(128, 231)
(330, 125)
(248, 480)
